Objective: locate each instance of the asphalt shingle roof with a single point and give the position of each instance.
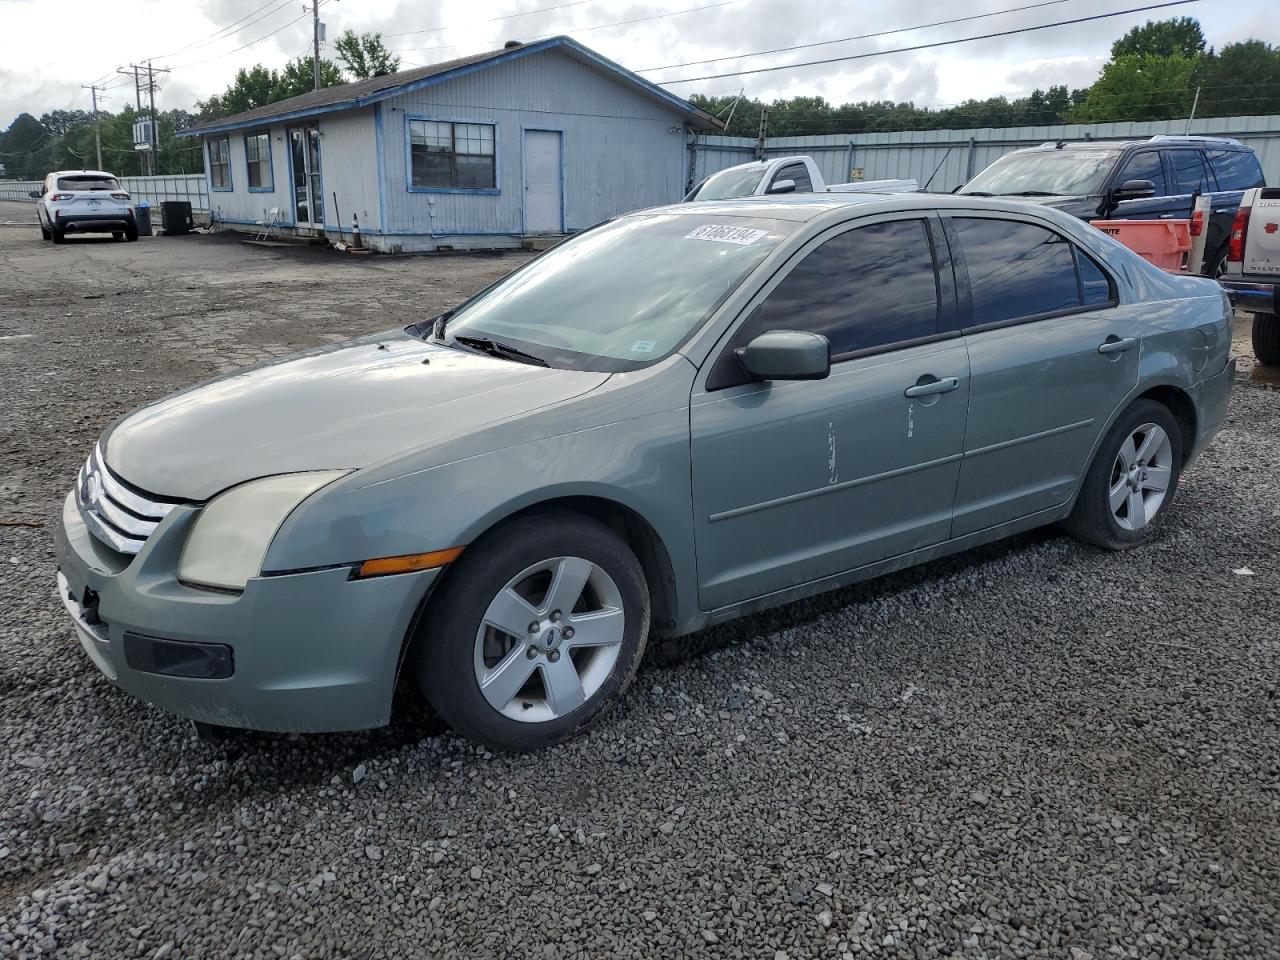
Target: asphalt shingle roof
(376, 88)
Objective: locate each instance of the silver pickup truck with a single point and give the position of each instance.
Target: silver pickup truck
(1252, 274)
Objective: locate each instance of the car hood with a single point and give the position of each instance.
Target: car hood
(349, 405)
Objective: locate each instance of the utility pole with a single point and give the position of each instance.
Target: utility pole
(97, 127)
(315, 37)
(137, 94)
(155, 130)
(764, 129)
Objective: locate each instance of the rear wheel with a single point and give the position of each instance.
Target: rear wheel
(1216, 267)
(1132, 480)
(1266, 338)
(131, 232)
(537, 629)
(56, 235)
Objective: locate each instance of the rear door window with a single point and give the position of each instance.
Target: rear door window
(1020, 270)
(869, 287)
(1189, 172)
(1144, 166)
(1236, 169)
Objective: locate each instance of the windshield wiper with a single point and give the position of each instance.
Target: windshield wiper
(977, 193)
(496, 349)
(1030, 193)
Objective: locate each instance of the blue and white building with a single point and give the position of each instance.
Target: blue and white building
(535, 139)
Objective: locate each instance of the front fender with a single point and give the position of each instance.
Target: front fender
(640, 463)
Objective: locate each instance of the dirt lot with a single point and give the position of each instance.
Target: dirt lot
(1033, 750)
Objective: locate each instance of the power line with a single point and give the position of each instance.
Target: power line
(245, 46)
(930, 46)
(861, 36)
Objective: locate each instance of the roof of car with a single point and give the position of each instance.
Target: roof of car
(801, 207)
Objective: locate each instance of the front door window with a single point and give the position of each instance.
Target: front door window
(308, 195)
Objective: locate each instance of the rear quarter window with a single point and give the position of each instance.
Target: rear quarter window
(1236, 169)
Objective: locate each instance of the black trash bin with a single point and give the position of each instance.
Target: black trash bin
(176, 217)
(142, 217)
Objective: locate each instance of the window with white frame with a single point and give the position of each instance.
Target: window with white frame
(220, 163)
(257, 155)
(449, 155)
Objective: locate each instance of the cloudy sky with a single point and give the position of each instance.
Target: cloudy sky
(48, 48)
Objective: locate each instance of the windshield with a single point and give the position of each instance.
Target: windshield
(88, 183)
(727, 184)
(1064, 173)
(622, 295)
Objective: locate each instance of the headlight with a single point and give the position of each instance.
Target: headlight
(230, 537)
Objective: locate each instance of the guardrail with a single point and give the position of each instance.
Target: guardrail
(190, 187)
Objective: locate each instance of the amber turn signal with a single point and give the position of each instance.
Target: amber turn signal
(407, 564)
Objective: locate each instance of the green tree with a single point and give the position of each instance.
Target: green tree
(1138, 87)
(1180, 36)
(1241, 80)
(365, 55)
(255, 87)
(298, 77)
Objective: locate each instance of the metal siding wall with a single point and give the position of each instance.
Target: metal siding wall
(618, 148)
(916, 153)
(349, 167)
(241, 206)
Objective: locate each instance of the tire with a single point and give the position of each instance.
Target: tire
(131, 233)
(1216, 267)
(44, 231)
(1266, 338)
(117, 234)
(466, 667)
(56, 235)
(1109, 502)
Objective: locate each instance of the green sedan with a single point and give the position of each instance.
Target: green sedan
(678, 417)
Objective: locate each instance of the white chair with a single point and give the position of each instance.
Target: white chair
(271, 222)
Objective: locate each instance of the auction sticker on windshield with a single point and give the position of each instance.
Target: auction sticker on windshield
(742, 236)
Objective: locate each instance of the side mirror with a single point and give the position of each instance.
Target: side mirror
(783, 186)
(787, 355)
(33, 194)
(1133, 190)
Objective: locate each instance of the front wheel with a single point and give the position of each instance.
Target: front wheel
(536, 630)
(44, 231)
(1266, 338)
(1132, 481)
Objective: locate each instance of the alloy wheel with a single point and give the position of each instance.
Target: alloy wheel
(549, 640)
(1140, 476)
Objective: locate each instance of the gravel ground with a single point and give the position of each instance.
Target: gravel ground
(1033, 750)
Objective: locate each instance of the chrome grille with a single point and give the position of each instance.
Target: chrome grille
(116, 515)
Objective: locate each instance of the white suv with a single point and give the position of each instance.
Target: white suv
(84, 201)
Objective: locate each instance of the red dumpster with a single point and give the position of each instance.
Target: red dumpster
(1162, 242)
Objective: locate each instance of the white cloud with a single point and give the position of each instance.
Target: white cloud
(40, 76)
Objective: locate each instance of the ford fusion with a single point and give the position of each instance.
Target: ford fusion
(678, 417)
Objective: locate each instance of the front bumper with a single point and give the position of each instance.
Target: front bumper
(314, 651)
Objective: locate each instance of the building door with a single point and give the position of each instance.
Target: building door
(308, 191)
(543, 199)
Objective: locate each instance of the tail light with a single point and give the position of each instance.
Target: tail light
(1239, 229)
(1197, 223)
(61, 196)
(120, 196)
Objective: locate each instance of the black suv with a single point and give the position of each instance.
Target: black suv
(1131, 180)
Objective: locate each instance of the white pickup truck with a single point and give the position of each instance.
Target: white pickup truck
(1252, 270)
(785, 175)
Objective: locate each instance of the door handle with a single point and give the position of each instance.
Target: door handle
(1117, 345)
(930, 387)
(1167, 216)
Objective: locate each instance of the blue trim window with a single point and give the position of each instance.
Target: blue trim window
(257, 157)
(220, 163)
(452, 156)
